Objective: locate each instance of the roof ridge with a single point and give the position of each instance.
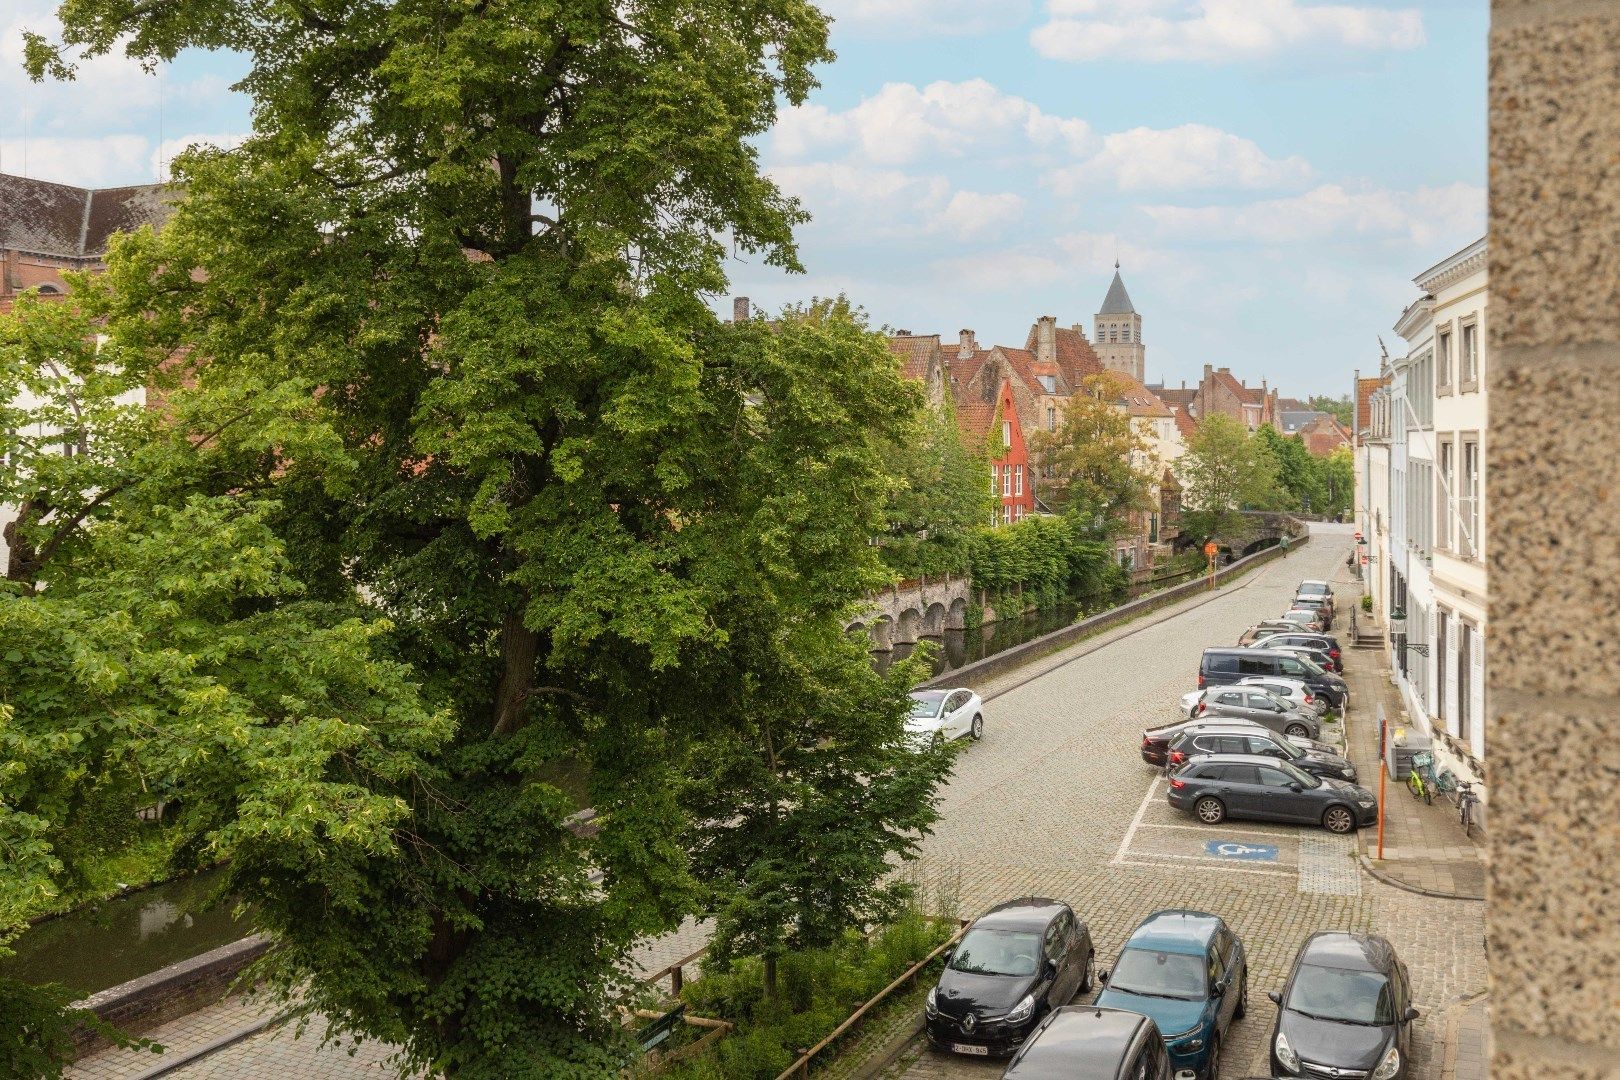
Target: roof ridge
(84, 222)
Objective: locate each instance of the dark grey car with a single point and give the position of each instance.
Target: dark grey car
(1346, 1010)
(1264, 708)
(1244, 739)
(1264, 789)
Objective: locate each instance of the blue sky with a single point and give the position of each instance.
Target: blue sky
(1271, 173)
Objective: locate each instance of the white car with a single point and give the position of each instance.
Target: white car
(945, 714)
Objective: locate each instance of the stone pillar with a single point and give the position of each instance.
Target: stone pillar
(739, 309)
(1553, 672)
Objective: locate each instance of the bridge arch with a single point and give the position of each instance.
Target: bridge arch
(909, 626)
(882, 634)
(933, 624)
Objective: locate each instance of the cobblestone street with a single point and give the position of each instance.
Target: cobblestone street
(1055, 800)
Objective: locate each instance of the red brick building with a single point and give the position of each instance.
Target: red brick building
(48, 228)
(994, 426)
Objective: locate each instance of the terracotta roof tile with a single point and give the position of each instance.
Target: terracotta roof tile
(74, 222)
(914, 351)
(1139, 400)
(1184, 422)
(1364, 393)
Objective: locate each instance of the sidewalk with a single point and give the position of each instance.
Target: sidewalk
(1424, 846)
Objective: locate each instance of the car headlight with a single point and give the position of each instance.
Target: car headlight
(1389, 1066)
(1367, 802)
(1187, 1040)
(931, 1004)
(1021, 1011)
(1285, 1053)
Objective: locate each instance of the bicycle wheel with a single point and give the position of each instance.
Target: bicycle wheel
(1466, 811)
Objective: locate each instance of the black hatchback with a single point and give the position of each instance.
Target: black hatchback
(1083, 1040)
(1244, 739)
(1346, 1010)
(1016, 963)
(1250, 786)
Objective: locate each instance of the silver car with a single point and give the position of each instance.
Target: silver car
(1252, 703)
(1292, 691)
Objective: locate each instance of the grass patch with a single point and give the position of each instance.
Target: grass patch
(817, 990)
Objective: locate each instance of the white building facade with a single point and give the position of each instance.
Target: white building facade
(1459, 579)
(1410, 611)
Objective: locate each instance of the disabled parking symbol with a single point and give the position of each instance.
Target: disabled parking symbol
(1231, 849)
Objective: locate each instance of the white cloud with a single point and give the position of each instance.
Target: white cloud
(860, 203)
(1424, 216)
(1217, 31)
(909, 18)
(110, 160)
(1193, 156)
(107, 91)
(902, 123)
(1064, 257)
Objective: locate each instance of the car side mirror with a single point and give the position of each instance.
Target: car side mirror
(1102, 976)
(947, 954)
(1220, 987)
(1276, 998)
(1296, 787)
(1410, 1014)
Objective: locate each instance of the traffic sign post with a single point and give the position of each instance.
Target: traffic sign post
(1209, 551)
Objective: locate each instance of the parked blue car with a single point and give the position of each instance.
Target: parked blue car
(1188, 972)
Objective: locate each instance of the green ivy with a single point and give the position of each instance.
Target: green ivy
(1044, 556)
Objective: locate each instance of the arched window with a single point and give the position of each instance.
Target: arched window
(49, 290)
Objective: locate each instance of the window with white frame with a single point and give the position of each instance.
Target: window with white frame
(1469, 358)
(1470, 497)
(1006, 433)
(1051, 418)
(1018, 480)
(1442, 359)
(1006, 480)
(1448, 490)
(995, 478)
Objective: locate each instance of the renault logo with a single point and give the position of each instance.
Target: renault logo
(969, 1022)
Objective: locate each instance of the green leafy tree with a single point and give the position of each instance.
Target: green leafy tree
(1096, 456)
(942, 500)
(1224, 470)
(1341, 408)
(1297, 469)
(455, 281)
(1337, 481)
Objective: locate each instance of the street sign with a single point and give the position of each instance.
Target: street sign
(1231, 849)
(1210, 549)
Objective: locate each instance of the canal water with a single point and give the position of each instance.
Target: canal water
(129, 936)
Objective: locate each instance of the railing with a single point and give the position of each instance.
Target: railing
(801, 1066)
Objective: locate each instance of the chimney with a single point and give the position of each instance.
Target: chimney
(902, 333)
(1184, 384)
(739, 309)
(1224, 370)
(1208, 371)
(1046, 338)
(967, 345)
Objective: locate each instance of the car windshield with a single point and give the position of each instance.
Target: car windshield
(1313, 588)
(1351, 997)
(925, 704)
(1149, 973)
(998, 952)
(1292, 752)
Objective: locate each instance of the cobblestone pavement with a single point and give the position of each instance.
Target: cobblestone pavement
(1056, 801)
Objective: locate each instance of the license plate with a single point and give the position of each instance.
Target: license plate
(969, 1048)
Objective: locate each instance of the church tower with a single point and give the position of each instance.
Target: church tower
(1118, 340)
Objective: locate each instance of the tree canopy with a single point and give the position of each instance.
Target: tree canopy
(456, 432)
(1224, 470)
(1099, 458)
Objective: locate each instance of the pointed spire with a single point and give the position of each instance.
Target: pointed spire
(1118, 301)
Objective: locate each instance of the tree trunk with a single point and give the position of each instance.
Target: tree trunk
(519, 646)
(770, 978)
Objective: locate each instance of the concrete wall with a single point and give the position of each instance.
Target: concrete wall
(1554, 553)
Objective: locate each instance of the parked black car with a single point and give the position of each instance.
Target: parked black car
(1220, 786)
(1322, 604)
(1083, 1040)
(1222, 667)
(1243, 739)
(1346, 1010)
(1016, 963)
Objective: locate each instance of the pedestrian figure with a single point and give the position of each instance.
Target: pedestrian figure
(1283, 543)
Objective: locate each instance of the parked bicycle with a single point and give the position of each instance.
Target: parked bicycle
(1420, 781)
(1466, 802)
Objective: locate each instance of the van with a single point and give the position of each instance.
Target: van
(1222, 667)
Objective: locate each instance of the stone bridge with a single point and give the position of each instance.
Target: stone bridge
(1260, 530)
(914, 609)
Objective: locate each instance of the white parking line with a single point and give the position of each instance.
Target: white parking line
(1224, 864)
(1224, 827)
(1136, 822)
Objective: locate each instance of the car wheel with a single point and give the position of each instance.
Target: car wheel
(1213, 1070)
(1091, 958)
(1338, 819)
(1297, 729)
(1210, 810)
(977, 730)
(939, 739)
(1243, 998)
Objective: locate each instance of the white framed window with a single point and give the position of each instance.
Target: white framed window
(995, 478)
(1448, 488)
(1018, 480)
(1006, 480)
(1469, 356)
(1470, 497)
(1051, 418)
(1006, 433)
